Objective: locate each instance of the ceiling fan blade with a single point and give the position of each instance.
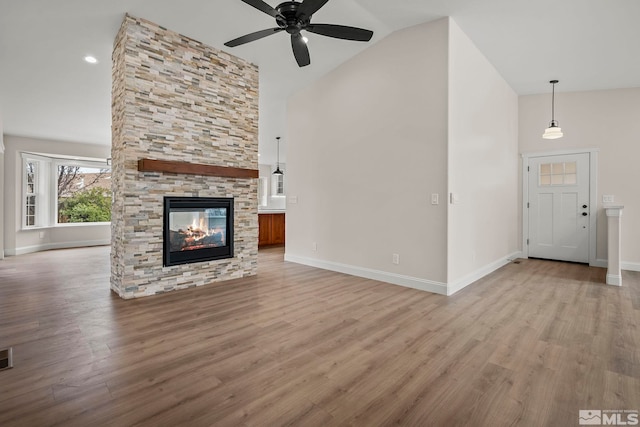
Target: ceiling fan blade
(262, 6)
(340, 32)
(309, 7)
(252, 37)
(300, 50)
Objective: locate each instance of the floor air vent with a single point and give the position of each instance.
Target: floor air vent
(5, 359)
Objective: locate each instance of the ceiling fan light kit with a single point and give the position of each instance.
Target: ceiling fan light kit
(294, 17)
(553, 131)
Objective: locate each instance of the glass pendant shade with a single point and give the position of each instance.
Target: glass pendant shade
(552, 132)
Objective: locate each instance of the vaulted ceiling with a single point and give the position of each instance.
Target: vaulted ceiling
(47, 90)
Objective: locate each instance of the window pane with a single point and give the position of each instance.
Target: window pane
(280, 184)
(84, 194)
(570, 167)
(30, 189)
(545, 180)
(556, 179)
(557, 168)
(262, 191)
(545, 169)
(570, 179)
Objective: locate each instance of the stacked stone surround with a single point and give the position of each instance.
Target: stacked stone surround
(174, 98)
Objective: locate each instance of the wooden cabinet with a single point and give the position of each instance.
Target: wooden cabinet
(271, 229)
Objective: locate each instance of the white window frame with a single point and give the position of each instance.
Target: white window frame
(41, 197)
(46, 188)
(27, 195)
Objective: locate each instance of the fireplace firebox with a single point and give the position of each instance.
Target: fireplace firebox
(197, 229)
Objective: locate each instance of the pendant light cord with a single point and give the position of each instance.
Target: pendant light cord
(278, 162)
(553, 103)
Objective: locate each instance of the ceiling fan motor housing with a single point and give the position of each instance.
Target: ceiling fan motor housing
(288, 17)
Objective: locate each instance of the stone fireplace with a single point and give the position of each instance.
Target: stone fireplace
(184, 127)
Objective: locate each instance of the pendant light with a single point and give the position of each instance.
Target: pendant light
(553, 131)
(278, 171)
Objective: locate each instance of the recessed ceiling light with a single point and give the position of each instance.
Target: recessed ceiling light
(91, 59)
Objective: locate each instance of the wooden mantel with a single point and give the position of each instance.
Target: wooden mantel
(149, 165)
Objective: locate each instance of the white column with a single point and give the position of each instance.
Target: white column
(614, 273)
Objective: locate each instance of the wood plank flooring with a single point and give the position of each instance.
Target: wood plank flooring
(530, 344)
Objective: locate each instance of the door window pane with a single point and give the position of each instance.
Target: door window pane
(558, 174)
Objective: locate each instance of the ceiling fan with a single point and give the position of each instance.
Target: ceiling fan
(293, 17)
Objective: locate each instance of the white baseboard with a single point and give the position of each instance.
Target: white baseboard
(614, 279)
(624, 265)
(367, 273)
(465, 281)
(630, 266)
(61, 245)
(407, 281)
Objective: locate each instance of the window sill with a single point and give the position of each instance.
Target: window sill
(65, 225)
(80, 224)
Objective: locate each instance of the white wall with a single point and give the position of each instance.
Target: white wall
(607, 120)
(1, 188)
(18, 241)
(483, 162)
(367, 147)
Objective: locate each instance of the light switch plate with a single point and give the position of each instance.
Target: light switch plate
(293, 200)
(434, 199)
(608, 198)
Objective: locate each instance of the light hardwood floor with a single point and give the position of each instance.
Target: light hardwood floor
(528, 345)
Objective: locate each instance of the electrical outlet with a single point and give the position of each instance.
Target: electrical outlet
(293, 200)
(42, 234)
(396, 259)
(314, 246)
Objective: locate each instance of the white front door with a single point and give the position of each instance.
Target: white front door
(559, 207)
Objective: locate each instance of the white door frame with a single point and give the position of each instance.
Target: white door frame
(593, 196)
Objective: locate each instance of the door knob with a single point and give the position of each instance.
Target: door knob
(584, 214)
(584, 206)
